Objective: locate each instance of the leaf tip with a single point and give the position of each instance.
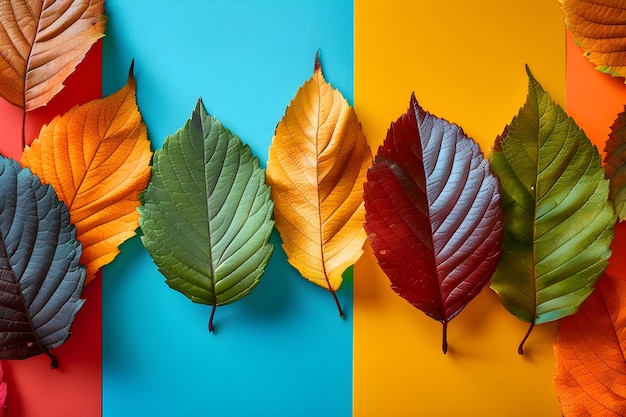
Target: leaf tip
(131, 71)
(317, 65)
(415, 105)
(199, 105)
(532, 81)
(527, 67)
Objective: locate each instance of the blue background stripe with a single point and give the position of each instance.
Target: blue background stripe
(283, 350)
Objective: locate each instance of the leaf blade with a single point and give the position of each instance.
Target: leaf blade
(432, 214)
(208, 194)
(42, 42)
(97, 157)
(589, 354)
(317, 164)
(599, 29)
(615, 164)
(40, 275)
(558, 222)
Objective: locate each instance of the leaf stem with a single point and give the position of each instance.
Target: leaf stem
(444, 338)
(520, 349)
(23, 128)
(211, 328)
(54, 364)
(337, 302)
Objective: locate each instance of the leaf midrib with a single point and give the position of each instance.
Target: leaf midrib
(317, 185)
(4, 253)
(205, 161)
(101, 140)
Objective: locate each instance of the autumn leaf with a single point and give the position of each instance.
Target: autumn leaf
(206, 214)
(558, 221)
(615, 167)
(599, 28)
(40, 276)
(97, 158)
(41, 43)
(591, 369)
(317, 164)
(433, 214)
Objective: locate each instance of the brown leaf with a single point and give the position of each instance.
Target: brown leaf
(599, 28)
(41, 43)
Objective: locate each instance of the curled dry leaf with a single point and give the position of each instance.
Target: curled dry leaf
(599, 28)
(206, 214)
(317, 164)
(97, 158)
(589, 351)
(558, 220)
(40, 276)
(433, 214)
(41, 43)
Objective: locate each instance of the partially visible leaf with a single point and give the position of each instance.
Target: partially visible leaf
(206, 214)
(3, 392)
(591, 368)
(558, 220)
(433, 214)
(599, 28)
(615, 167)
(317, 164)
(97, 158)
(41, 43)
(40, 276)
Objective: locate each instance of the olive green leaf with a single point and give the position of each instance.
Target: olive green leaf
(206, 214)
(615, 167)
(558, 220)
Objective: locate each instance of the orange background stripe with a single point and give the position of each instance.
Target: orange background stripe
(465, 62)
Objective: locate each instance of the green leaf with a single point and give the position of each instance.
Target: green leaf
(206, 214)
(558, 221)
(615, 167)
(40, 276)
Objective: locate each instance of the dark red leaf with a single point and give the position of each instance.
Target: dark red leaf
(3, 391)
(433, 214)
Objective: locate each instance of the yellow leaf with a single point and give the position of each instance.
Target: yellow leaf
(97, 158)
(41, 43)
(317, 164)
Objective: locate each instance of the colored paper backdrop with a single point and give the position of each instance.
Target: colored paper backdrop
(465, 62)
(75, 388)
(283, 350)
(142, 349)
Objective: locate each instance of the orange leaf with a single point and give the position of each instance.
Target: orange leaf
(591, 368)
(599, 28)
(96, 156)
(41, 43)
(317, 164)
